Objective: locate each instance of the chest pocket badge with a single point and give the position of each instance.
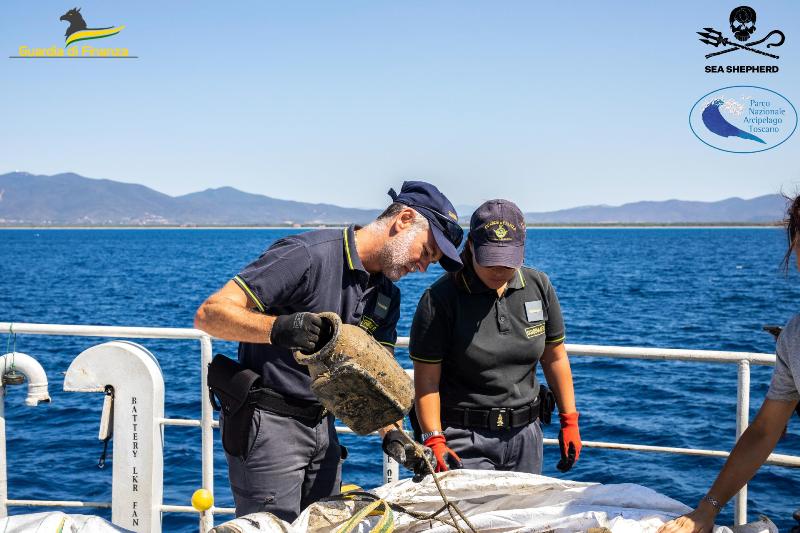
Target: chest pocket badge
(382, 306)
(371, 323)
(533, 311)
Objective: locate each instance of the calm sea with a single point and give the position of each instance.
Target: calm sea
(671, 288)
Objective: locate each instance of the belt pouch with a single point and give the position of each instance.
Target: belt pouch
(230, 383)
(547, 404)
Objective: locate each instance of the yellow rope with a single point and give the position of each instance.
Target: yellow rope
(384, 525)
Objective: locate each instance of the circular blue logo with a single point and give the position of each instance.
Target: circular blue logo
(743, 119)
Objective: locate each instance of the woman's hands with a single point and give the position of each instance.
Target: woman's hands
(446, 459)
(569, 440)
(701, 520)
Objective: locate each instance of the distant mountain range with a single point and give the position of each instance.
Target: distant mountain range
(763, 209)
(70, 199)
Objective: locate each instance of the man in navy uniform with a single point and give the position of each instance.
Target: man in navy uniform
(293, 457)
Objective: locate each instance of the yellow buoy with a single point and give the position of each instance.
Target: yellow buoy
(349, 487)
(202, 500)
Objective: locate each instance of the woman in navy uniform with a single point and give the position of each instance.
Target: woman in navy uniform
(476, 339)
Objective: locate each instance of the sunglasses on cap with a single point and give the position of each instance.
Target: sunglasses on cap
(446, 225)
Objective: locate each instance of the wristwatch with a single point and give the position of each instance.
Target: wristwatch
(713, 502)
(429, 434)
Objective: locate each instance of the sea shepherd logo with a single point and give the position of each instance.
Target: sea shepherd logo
(77, 32)
(742, 22)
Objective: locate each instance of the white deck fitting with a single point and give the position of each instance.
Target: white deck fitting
(37, 392)
(138, 445)
(34, 374)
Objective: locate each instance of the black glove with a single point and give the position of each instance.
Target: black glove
(298, 331)
(402, 451)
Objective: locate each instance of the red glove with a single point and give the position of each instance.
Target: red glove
(569, 440)
(446, 458)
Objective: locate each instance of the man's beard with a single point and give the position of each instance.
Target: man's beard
(395, 256)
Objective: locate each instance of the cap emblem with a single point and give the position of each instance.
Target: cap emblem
(501, 232)
(452, 215)
(499, 422)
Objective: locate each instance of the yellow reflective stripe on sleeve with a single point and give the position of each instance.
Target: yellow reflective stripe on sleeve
(423, 360)
(241, 283)
(347, 251)
(464, 281)
(555, 341)
(521, 279)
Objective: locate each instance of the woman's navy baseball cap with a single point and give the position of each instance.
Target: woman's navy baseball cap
(429, 202)
(497, 230)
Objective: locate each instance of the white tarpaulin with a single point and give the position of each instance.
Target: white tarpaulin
(494, 502)
(57, 522)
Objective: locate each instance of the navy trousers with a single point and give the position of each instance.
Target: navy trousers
(516, 450)
(288, 466)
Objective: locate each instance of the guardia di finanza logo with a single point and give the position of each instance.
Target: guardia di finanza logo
(78, 32)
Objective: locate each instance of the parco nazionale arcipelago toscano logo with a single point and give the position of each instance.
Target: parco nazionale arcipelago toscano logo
(78, 31)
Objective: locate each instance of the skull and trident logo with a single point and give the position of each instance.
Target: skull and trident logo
(743, 25)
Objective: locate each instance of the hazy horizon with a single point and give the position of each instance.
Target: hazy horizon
(458, 207)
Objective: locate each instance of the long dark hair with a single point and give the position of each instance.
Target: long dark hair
(466, 259)
(792, 223)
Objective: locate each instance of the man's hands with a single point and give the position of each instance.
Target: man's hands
(298, 331)
(569, 440)
(446, 459)
(398, 448)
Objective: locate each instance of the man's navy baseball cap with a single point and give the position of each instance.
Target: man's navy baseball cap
(429, 202)
(497, 230)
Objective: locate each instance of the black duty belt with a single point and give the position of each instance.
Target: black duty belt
(494, 419)
(308, 412)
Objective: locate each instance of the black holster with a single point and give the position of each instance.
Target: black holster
(229, 385)
(547, 404)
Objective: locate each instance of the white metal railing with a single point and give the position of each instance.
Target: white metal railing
(207, 423)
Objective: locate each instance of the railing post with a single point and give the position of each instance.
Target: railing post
(206, 431)
(742, 421)
(391, 469)
(3, 465)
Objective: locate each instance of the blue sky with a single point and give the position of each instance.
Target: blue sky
(551, 105)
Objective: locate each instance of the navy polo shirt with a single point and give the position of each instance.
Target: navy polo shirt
(488, 346)
(315, 271)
